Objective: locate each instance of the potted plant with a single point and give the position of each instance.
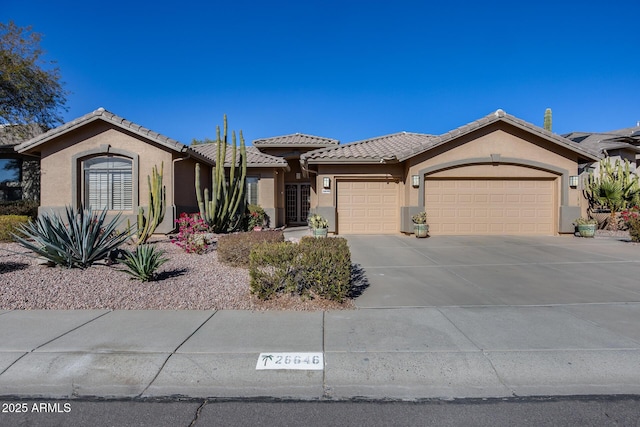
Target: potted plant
(420, 226)
(586, 226)
(256, 217)
(319, 225)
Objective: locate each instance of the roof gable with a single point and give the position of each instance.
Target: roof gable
(106, 116)
(501, 116)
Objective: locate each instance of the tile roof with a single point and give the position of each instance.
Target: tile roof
(403, 145)
(102, 114)
(388, 148)
(255, 158)
(295, 139)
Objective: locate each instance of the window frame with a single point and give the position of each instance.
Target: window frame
(112, 176)
(255, 181)
(77, 173)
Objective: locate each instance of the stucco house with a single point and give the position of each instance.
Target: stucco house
(622, 144)
(496, 175)
(103, 160)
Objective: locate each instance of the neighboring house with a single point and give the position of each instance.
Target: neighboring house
(19, 173)
(623, 144)
(496, 175)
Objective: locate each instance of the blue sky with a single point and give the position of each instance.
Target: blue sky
(348, 70)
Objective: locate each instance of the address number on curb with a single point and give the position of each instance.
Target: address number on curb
(301, 361)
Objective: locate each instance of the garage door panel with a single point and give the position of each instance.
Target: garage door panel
(490, 206)
(367, 207)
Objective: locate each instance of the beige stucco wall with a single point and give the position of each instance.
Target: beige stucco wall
(505, 141)
(184, 170)
(60, 186)
(58, 156)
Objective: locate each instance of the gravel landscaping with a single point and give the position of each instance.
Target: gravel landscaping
(186, 282)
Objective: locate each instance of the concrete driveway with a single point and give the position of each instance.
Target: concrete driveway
(403, 271)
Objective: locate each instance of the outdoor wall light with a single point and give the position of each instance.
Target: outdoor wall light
(326, 182)
(573, 181)
(415, 181)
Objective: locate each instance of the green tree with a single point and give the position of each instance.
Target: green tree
(30, 88)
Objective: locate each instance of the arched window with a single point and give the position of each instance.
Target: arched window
(107, 183)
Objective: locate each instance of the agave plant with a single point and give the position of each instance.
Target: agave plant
(77, 240)
(143, 262)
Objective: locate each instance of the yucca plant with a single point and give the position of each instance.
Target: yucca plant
(143, 262)
(77, 240)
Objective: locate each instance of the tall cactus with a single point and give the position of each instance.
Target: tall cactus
(224, 209)
(157, 206)
(548, 122)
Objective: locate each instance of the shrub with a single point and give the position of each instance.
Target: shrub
(326, 267)
(21, 207)
(8, 224)
(78, 240)
(272, 268)
(315, 267)
(193, 233)
(143, 262)
(631, 218)
(234, 249)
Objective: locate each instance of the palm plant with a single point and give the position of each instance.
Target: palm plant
(143, 262)
(616, 188)
(77, 240)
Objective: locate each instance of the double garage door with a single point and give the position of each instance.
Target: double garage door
(490, 206)
(454, 206)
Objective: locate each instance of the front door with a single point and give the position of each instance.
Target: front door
(298, 202)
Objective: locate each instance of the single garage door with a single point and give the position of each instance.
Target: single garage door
(496, 206)
(367, 207)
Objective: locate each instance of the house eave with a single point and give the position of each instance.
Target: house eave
(107, 117)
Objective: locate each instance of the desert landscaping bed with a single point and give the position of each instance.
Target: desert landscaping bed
(185, 282)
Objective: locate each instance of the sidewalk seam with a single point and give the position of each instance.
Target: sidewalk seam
(174, 352)
(484, 354)
(71, 330)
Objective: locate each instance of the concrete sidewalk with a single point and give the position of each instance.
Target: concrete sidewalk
(403, 353)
